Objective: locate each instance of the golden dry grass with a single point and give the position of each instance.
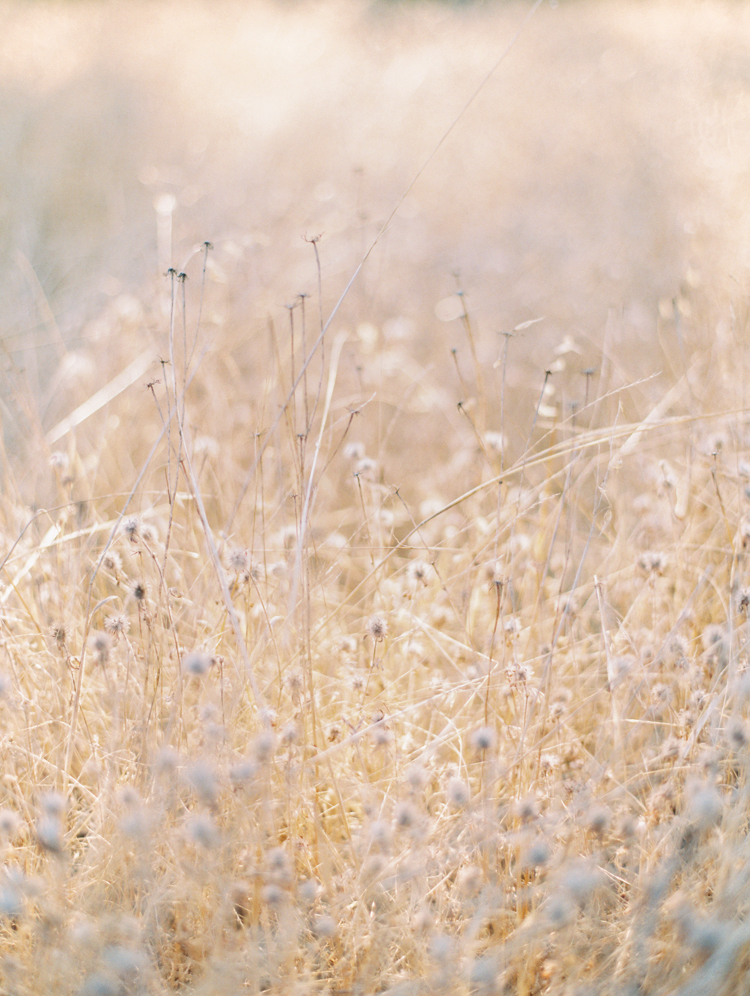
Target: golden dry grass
(422, 667)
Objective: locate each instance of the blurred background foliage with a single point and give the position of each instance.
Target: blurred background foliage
(602, 169)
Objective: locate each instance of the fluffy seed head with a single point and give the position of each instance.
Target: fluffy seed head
(377, 628)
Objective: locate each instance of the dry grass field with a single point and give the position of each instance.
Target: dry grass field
(395, 640)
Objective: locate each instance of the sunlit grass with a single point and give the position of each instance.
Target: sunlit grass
(405, 652)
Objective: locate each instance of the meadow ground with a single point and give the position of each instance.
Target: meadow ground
(403, 650)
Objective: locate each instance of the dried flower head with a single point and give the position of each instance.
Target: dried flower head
(112, 562)
(117, 626)
(652, 562)
(139, 590)
(201, 830)
(737, 735)
(354, 451)
(483, 739)
(458, 793)
(418, 572)
(197, 663)
(238, 560)
(101, 644)
(367, 469)
(149, 533)
(377, 628)
(264, 746)
(131, 527)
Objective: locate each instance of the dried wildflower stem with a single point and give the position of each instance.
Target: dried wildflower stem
(612, 677)
(383, 229)
(498, 586)
(219, 570)
(479, 377)
(88, 614)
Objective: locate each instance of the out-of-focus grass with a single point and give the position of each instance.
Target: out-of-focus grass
(425, 668)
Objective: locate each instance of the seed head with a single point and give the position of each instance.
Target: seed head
(737, 735)
(149, 532)
(117, 626)
(131, 527)
(483, 739)
(197, 663)
(238, 560)
(458, 793)
(139, 589)
(418, 572)
(652, 562)
(354, 451)
(101, 644)
(377, 628)
(202, 831)
(112, 562)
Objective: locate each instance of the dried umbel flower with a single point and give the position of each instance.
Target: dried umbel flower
(264, 746)
(238, 560)
(705, 806)
(203, 780)
(418, 572)
(10, 821)
(381, 735)
(483, 739)
(377, 628)
(101, 644)
(117, 626)
(458, 793)
(354, 451)
(737, 735)
(714, 639)
(560, 702)
(537, 853)
(379, 836)
(149, 533)
(197, 663)
(295, 682)
(112, 562)
(652, 562)
(131, 527)
(582, 878)
(49, 828)
(598, 820)
(139, 590)
(405, 816)
(417, 777)
(528, 809)
(278, 866)
(325, 926)
(201, 830)
(367, 469)
(273, 895)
